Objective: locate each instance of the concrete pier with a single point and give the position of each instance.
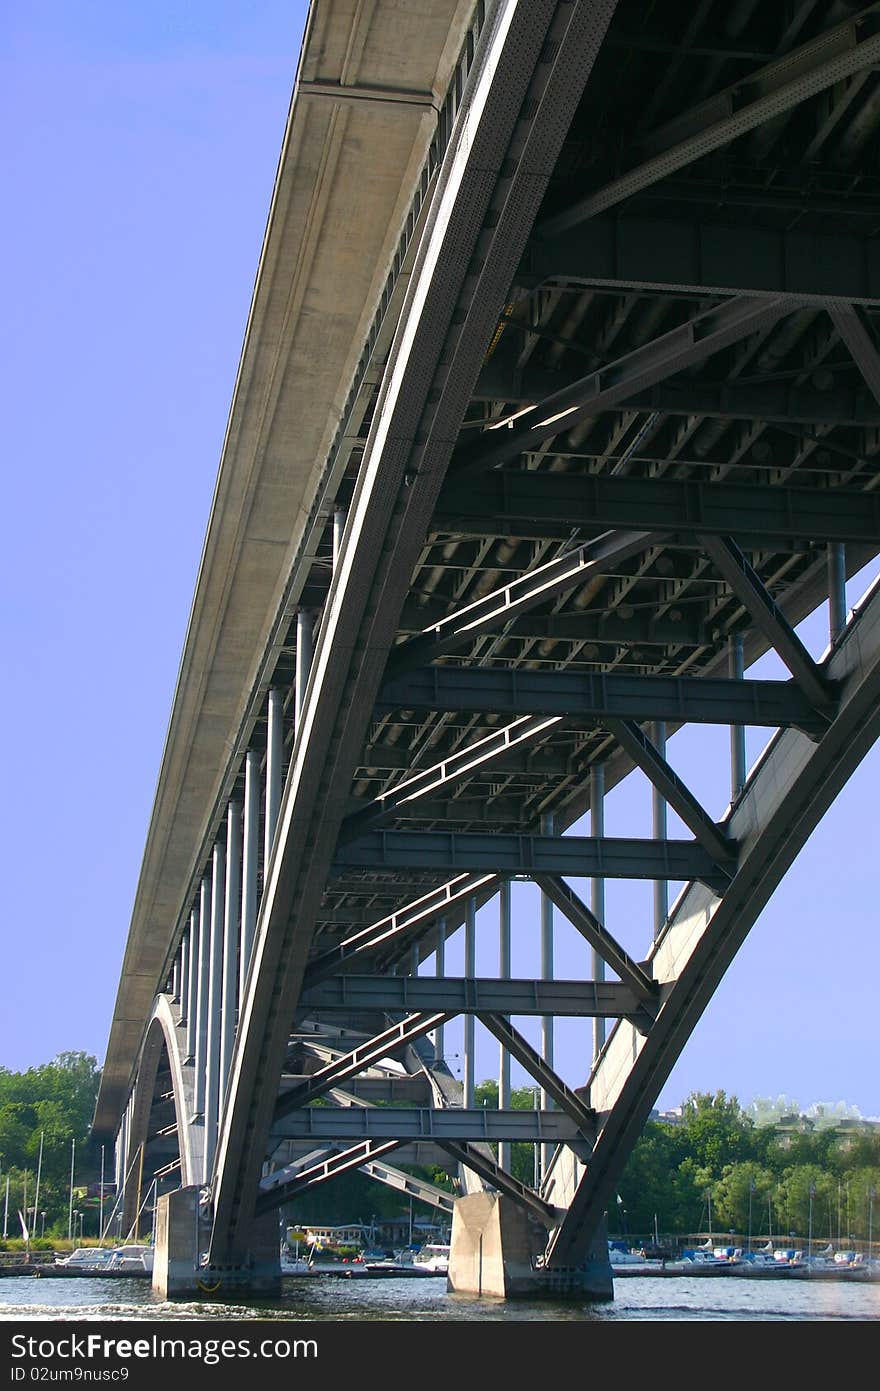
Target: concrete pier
(495, 1245)
(181, 1233)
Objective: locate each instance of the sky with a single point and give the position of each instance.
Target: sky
(140, 152)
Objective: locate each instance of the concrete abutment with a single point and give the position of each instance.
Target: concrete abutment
(181, 1232)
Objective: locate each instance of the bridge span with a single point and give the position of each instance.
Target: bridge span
(558, 407)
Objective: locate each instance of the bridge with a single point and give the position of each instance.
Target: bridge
(558, 408)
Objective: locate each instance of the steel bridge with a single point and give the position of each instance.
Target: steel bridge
(559, 405)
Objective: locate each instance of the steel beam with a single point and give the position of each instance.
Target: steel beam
(323, 1170)
(641, 629)
(564, 573)
(861, 345)
(391, 931)
(359, 1058)
(746, 585)
(518, 1047)
(608, 949)
(460, 764)
(324, 1124)
(507, 501)
(470, 995)
(499, 1178)
(600, 696)
(846, 49)
(694, 256)
(635, 742)
(416, 1188)
(685, 346)
(772, 401)
(443, 851)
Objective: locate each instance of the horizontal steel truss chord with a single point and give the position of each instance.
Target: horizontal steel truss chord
(557, 502)
(682, 699)
(499, 1178)
(506, 854)
(405, 1123)
(767, 92)
(473, 995)
(696, 256)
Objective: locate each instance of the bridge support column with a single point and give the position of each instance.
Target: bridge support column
(180, 1235)
(495, 1244)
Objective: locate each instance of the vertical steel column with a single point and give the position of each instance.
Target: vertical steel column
(303, 659)
(547, 1029)
(274, 755)
(232, 905)
(184, 977)
(250, 860)
(339, 517)
(659, 819)
(735, 668)
(836, 589)
(192, 985)
(202, 968)
(470, 970)
(440, 972)
(175, 979)
(504, 1147)
(215, 988)
(597, 889)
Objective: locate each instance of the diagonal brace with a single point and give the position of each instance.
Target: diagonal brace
(499, 1178)
(589, 926)
(519, 1047)
(861, 347)
(365, 1055)
(340, 1163)
(635, 742)
(729, 560)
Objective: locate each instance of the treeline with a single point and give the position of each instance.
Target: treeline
(50, 1108)
(718, 1171)
(715, 1170)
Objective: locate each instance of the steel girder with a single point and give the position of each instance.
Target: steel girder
(469, 995)
(794, 784)
(693, 256)
(692, 699)
(842, 51)
(538, 504)
(611, 857)
(339, 1124)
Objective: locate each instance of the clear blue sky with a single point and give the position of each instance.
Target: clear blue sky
(140, 150)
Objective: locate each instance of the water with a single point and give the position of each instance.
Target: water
(322, 1299)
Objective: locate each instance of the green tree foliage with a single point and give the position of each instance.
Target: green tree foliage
(55, 1101)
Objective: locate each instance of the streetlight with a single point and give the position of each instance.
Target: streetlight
(872, 1193)
(42, 1224)
(810, 1226)
(751, 1192)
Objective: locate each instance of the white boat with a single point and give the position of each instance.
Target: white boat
(132, 1259)
(87, 1259)
(292, 1263)
(433, 1257)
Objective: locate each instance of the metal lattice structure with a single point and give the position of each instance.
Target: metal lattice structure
(612, 433)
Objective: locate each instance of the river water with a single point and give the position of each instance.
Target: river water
(324, 1299)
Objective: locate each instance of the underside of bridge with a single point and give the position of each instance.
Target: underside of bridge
(601, 427)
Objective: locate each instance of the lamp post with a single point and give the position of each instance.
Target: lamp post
(872, 1193)
(751, 1193)
(810, 1223)
(42, 1224)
